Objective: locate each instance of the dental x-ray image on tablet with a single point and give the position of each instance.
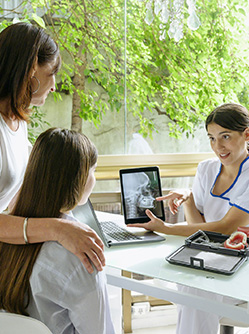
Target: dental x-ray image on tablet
(139, 189)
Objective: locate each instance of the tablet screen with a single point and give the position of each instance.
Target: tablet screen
(139, 189)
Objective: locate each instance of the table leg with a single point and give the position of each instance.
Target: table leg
(126, 302)
(226, 329)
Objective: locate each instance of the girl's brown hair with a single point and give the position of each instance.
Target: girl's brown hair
(54, 181)
(21, 45)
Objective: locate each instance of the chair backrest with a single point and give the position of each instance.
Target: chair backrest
(18, 324)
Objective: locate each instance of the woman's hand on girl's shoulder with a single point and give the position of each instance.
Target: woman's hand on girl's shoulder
(82, 241)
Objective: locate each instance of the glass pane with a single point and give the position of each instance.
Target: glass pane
(150, 83)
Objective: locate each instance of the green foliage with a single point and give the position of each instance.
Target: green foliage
(38, 20)
(183, 81)
(36, 122)
(186, 80)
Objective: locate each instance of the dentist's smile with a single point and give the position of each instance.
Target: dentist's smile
(224, 155)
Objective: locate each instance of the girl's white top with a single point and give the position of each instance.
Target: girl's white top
(14, 153)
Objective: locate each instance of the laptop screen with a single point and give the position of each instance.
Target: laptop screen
(139, 189)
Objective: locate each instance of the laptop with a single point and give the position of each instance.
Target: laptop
(109, 231)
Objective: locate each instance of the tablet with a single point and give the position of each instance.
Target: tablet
(139, 189)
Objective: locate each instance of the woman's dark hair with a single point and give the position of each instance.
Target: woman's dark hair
(230, 116)
(54, 182)
(21, 45)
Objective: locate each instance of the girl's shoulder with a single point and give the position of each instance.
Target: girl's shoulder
(56, 263)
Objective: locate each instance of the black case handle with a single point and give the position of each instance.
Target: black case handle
(196, 262)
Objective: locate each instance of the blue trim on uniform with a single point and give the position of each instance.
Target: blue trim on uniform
(220, 196)
(232, 185)
(239, 207)
(239, 172)
(215, 181)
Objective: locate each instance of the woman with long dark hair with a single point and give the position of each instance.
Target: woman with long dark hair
(29, 60)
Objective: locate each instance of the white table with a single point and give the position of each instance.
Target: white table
(149, 260)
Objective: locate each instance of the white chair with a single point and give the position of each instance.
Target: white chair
(11, 323)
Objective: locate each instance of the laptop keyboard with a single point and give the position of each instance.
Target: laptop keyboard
(116, 232)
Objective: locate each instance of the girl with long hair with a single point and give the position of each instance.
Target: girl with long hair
(44, 280)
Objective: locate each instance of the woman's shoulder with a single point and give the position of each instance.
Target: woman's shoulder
(209, 164)
(6, 131)
(245, 166)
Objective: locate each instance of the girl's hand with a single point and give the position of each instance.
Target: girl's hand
(82, 241)
(155, 224)
(175, 199)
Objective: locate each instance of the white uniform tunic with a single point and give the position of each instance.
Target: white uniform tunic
(213, 207)
(14, 153)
